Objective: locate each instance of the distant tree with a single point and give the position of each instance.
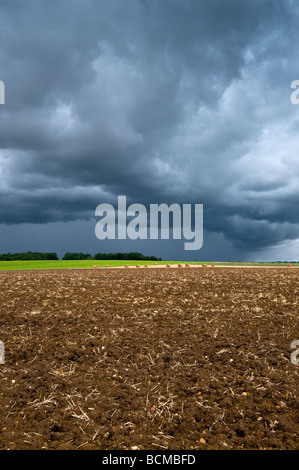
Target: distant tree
(29, 256)
(133, 256)
(76, 256)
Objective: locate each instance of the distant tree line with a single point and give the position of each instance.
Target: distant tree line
(106, 256)
(28, 256)
(76, 256)
(34, 256)
(125, 256)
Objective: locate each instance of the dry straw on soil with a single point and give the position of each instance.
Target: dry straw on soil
(154, 359)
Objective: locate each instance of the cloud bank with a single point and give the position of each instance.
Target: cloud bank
(161, 101)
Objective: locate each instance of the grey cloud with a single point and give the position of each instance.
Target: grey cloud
(164, 101)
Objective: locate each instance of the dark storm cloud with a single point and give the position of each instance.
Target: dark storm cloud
(163, 101)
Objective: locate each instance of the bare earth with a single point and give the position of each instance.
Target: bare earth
(149, 359)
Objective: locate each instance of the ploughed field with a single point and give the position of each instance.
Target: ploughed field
(149, 359)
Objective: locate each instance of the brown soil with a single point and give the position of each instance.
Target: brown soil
(149, 359)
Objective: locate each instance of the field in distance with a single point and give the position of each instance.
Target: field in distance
(61, 264)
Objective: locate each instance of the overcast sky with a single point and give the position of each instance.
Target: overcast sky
(174, 101)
